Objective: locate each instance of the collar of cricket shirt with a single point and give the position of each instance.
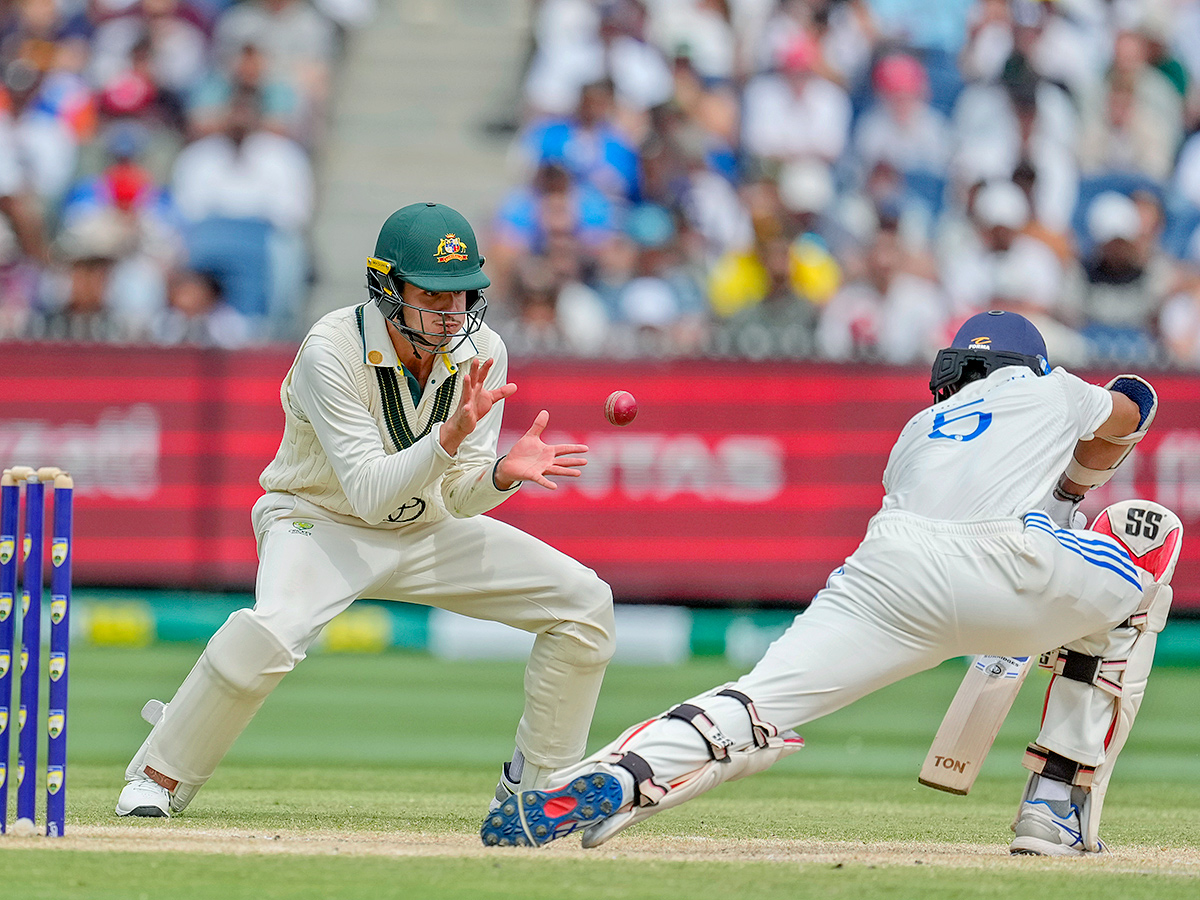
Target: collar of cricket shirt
(378, 349)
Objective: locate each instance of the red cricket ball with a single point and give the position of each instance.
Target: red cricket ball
(620, 408)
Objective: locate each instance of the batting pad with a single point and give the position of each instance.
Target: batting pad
(241, 665)
(740, 763)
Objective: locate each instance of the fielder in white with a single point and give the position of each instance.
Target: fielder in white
(386, 467)
(973, 552)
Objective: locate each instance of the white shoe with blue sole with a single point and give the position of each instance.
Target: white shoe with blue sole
(534, 818)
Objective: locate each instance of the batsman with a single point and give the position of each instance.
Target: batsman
(387, 466)
(978, 549)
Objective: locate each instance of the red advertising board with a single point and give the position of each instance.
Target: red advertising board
(737, 482)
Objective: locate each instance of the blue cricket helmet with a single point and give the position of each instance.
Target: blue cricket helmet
(986, 342)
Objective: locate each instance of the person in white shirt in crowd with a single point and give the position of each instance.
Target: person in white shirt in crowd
(299, 43)
(1069, 42)
(700, 29)
(710, 204)
(970, 266)
(989, 41)
(1023, 117)
(1133, 121)
(1179, 321)
(793, 112)
(890, 314)
(247, 174)
(901, 127)
(178, 45)
(43, 108)
(639, 71)
(1124, 282)
(566, 38)
(579, 43)
(196, 314)
(1021, 288)
(387, 466)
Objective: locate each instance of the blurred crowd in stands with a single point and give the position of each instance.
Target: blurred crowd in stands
(156, 177)
(851, 179)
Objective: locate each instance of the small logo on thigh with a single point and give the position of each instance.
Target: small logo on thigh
(301, 528)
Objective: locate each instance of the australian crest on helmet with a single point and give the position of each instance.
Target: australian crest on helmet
(450, 247)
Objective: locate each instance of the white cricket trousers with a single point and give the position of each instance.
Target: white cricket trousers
(917, 592)
(478, 567)
(312, 567)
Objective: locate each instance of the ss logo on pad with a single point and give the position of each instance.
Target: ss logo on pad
(1142, 522)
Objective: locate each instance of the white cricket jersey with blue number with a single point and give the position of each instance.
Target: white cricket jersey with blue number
(958, 460)
(961, 561)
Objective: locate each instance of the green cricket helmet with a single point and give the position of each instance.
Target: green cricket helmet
(433, 247)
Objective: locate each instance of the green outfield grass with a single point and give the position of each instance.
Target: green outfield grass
(405, 743)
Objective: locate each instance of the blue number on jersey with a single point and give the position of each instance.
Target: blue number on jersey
(948, 417)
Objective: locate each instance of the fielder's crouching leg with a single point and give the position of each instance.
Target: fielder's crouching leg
(658, 764)
(563, 677)
(1094, 697)
(239, 668)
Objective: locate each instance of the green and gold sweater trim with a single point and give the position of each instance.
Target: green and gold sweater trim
(399, 410)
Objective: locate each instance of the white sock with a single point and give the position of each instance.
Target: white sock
(1049, 789)
(517, 766)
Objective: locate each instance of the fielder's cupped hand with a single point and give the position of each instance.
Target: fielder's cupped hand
(530, 459)
(477, 401)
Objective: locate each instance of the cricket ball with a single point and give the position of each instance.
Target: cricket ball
(620, 408)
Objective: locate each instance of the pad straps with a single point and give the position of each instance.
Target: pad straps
(761, 729)
(718, 743)
(1106, 674)
(646, 791)
(1056, 767)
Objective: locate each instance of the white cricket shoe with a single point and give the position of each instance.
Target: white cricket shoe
(143, 797)
(1048, 828)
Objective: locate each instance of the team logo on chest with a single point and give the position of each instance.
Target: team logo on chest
(450, 247)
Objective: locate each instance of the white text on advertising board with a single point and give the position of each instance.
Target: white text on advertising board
(737, 468)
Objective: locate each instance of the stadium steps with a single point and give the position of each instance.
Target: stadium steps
(419, 113)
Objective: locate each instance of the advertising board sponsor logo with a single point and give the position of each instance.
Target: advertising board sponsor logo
(738, 468)
(118, 455)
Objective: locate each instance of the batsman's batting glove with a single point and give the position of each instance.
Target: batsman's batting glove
(1063, 508)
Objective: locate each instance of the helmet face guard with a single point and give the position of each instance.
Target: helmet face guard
(386, 287)
(956, 366)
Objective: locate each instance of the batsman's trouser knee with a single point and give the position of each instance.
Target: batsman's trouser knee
(562, 681)
(241, 665)
(1092, 702)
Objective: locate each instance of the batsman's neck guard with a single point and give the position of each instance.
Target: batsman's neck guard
(957, 366)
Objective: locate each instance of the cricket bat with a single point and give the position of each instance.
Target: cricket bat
(971, 723)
